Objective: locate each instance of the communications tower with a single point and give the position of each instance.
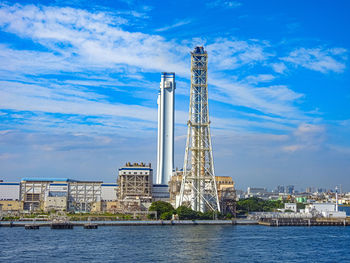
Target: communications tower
(198, 186)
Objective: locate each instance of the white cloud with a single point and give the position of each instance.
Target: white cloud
(318, 59)
(279, 67)
(25, 97)
(95, 38)
(223, 4)
(230, 54)
(175, 25)
(259, 78)
(307, 137)
(80, 42)
(277, 100)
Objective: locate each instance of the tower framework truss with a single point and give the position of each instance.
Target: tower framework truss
(198, 187)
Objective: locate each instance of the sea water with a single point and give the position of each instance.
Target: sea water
(176, 244)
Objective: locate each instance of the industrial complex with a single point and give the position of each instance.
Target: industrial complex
(195, 186)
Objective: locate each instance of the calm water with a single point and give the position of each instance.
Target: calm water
(176, 244)
(346, 209)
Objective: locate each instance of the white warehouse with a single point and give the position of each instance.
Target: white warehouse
(9, 191)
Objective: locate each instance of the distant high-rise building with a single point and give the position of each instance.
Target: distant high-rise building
(280, 189)
(166, 117)
(310, 189)
(321, 190)
(289, 189)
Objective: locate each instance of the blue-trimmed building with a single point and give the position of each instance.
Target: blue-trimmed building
(135, 182)
(9, 191)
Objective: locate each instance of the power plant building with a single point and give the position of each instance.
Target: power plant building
(59, 194)
(165, 153)
(135, 182)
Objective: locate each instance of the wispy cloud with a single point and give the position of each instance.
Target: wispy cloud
(79, 45)
(307, 137)
(259, 78)
(223, 4)
(230, 54)
(318, 59)
(279, 67)
(175, 25)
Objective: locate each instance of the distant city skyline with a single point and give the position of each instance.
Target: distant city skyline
(79, 85)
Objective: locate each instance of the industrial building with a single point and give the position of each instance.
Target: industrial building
(34, 190)
(135, 182)
(9, 191)
(226, 194)
(166, 117)
(83, 195)
(59, 194)
(9, 197)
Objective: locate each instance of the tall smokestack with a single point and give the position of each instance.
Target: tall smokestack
(166, 117)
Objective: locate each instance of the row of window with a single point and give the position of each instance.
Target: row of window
(135, 173)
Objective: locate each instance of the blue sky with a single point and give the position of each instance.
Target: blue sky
(79, 84)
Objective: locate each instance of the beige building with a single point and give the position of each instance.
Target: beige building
(225, 186)
(96, 207)
(56, 203)
(226, 194)
(109, 206)
(11, 205)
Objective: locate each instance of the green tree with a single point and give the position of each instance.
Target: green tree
(167, 215)
(161, 207)
(185, 213)
(254, 204)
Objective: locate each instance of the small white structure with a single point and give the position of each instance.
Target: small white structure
(9, 191)
(290, 206)
(166, 117)
(328, 210)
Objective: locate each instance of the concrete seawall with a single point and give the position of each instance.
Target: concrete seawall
(137, 223)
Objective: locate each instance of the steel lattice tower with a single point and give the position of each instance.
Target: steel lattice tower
(198, 187)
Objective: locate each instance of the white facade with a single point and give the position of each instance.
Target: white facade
(109, 192)
(321, 207)
(9, 191)
(328, 210)
(165, 153)
(290, 206)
